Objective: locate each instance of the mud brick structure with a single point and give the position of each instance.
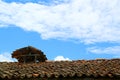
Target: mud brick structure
(29, 54)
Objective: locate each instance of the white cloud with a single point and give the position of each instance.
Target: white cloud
(87, 21)
(115, 50)
(6, 57)
(61, 58)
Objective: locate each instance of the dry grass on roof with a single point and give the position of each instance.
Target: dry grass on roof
(25, 51)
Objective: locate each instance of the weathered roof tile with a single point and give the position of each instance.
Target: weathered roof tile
(79, 68)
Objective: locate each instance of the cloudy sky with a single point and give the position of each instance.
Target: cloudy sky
(62, 29)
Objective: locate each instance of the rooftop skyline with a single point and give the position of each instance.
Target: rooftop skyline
(62, 29)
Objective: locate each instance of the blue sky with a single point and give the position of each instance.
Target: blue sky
(62, 29)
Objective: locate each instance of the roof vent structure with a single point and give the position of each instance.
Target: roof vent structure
(29, 55)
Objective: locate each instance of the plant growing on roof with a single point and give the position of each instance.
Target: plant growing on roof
(29, 54)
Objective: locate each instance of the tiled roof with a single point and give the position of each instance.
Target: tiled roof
(79, 68)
